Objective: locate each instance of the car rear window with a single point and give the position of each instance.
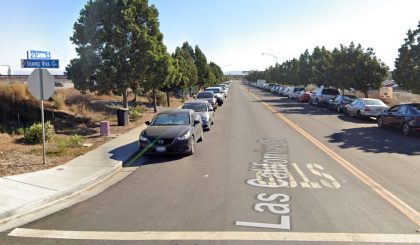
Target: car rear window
(329, 91)
(205, 95)
(416, 107)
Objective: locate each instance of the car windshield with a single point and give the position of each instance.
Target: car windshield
(214, 90)
(374, 102)
(166, 119)
(198, 107)
(205, 95)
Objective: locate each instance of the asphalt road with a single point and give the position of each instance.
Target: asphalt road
(307, 176)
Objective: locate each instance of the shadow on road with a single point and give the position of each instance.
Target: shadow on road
(376, 140)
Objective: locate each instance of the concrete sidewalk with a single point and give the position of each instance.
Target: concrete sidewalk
(26, 193)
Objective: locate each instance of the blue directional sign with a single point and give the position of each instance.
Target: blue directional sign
(39, 63)
(39, 55)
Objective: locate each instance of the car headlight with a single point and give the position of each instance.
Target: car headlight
(185, 136)
(142, 137)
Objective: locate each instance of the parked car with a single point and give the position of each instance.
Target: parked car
(304, 96)
(218, 92)
(208, 96)
(338, 102)
(321, 96)
(286, 90)
(405, 116)
(204, 109)
(224, 88)
(172, 132)
(293, 94)
(365, 108)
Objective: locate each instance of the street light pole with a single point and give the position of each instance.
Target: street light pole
(271, 56)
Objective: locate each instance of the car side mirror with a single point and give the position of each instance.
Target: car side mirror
(196, 122)
(147, 123)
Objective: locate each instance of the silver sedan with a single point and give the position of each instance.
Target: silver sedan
(365, 108)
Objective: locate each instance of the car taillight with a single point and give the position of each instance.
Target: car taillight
(367, 108)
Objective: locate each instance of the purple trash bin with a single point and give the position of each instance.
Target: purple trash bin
(104, 128)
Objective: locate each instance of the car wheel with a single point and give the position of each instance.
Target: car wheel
(380, 122)
(192, 151)
(359, 116)
(406, 129)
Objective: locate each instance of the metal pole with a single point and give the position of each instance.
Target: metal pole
(41, 82)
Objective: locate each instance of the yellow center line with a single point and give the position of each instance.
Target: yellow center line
(403, 207)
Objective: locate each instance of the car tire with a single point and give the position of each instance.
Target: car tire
(406, 129)
(380, 122)
(192, 151)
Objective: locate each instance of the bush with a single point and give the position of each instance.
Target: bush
(20, 131)
(160, 98)
(76, 141)
(33, 135)
(58, 102)
(136, 112)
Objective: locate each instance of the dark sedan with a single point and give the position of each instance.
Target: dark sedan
(172, 131)
(340, 101)
(405, 116)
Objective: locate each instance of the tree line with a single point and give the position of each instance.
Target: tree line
(348, 67)
(120, 47)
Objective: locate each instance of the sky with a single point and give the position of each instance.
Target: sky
(231, 33)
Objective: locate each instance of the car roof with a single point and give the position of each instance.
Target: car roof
(213, 88)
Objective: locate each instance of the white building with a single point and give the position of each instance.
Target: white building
(5, 70)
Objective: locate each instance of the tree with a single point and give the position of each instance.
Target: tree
(217, 72)
(320, 62)
(187, 70)
(305, 69)
(116, 43)
(407, 65)
(203, 69)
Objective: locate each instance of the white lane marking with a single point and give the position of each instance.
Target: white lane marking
(284, 224)
(306, 182)
(333, 182)
(218, 236)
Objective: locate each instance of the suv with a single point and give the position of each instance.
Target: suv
(321, 96)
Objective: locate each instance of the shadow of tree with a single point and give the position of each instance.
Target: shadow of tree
(376, 140)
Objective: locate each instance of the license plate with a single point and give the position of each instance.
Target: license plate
(160, 148)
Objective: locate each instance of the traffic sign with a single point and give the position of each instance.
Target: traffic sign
(46, 84)
(39, 63)
(41, 55)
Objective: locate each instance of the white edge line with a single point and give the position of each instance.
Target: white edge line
(217, 236)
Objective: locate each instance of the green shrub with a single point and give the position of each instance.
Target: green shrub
(20, 131)
(76, 141)
(33, 135)
(136, 112)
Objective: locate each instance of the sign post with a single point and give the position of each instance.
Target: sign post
(41, 84)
